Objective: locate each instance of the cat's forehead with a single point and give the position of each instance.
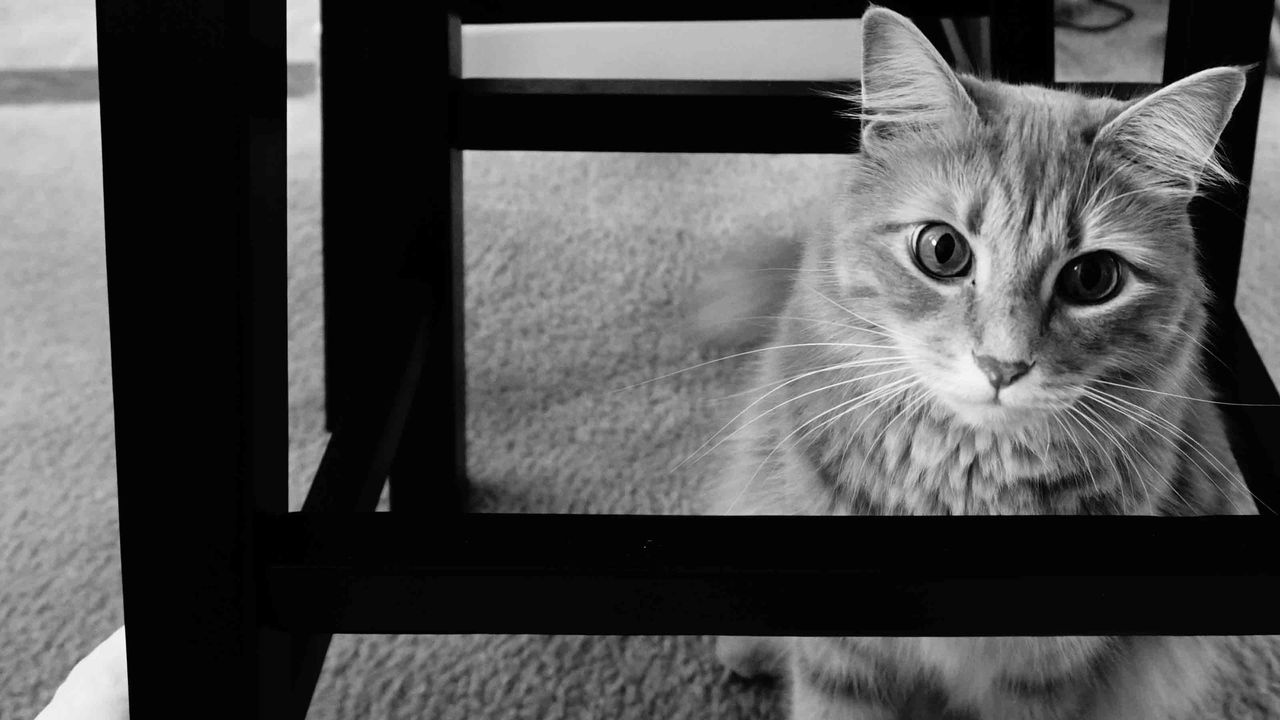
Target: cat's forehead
(1032, 151)
(1041, 114)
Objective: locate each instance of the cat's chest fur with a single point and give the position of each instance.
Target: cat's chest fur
(918, 462)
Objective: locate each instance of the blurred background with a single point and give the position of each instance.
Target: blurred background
(547, 435)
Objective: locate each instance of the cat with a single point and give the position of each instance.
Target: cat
(1002, 315)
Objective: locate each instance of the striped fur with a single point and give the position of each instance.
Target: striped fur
(875, 405)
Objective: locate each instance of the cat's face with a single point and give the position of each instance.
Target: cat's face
(1012, 273)
(1016, 240)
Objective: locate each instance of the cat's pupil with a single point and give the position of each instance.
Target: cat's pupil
(944, 248)
(1090, 274)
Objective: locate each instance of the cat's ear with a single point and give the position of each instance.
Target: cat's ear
(906, 85)
(1172, 133)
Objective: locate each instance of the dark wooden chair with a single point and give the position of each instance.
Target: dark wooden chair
(230, 599)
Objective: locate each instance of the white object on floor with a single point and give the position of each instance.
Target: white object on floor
(97, 688)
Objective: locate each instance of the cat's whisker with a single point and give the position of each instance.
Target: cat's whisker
(780, 405)
(1221, 467)
(887, 361)
(792, 270)
(1072, 415)
(817, 321)
(758, 400)
(889, 388)
(875, 396)
(1136, 473)
(1148, 463)
(1147, 425)
(844, 452)
(744, 353)
(1155, 416)
(1204, 347)
(1155, 472)
(1184, 397)
(1133, 409)
(891, 332)
(1115, 435)
(1077, 412)
(1084, 461)
(830, 421)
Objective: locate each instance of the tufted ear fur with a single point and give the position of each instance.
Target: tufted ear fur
(1171, 134)
(906, 85)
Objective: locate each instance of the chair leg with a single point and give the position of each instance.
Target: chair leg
(392, 245)
(429, 472)
(194, 184)
(393, 208)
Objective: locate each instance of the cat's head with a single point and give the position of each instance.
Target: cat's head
(1021, 242)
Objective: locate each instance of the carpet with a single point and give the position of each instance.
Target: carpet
(578, 267)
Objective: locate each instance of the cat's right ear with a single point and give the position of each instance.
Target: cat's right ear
(1172, 134)
(907, 86)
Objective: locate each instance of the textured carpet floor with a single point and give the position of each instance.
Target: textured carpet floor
(577, 266)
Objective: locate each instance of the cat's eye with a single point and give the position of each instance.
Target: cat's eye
(1091, 279)
(941, 251)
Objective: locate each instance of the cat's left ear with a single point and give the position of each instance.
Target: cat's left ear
(1172, 133)
(906, 85)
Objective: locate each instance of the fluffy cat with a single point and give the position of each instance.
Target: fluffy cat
(1003, 316)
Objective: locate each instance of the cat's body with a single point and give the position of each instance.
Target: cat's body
(1010, 678)
(1042, 356)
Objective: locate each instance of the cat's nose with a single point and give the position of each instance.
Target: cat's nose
(1001, 372)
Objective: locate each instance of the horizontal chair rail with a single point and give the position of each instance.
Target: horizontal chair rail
(513, 11)
(597, 574)
(746, 116)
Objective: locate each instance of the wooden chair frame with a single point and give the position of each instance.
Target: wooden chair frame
(230, 599)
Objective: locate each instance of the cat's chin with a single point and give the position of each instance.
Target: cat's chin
(988, 415)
